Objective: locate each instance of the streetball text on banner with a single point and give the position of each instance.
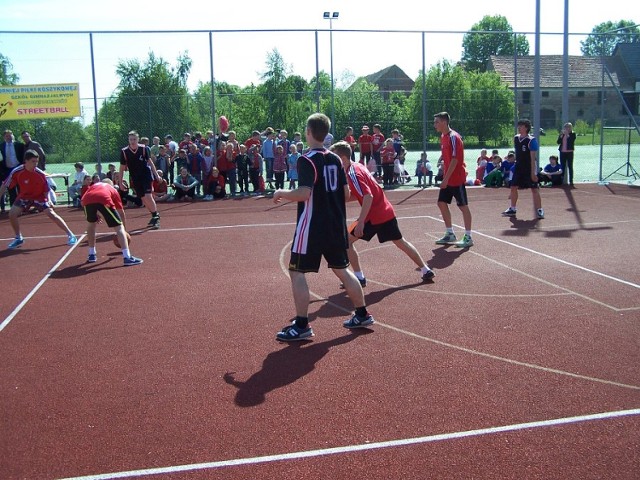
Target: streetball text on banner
(26, 102)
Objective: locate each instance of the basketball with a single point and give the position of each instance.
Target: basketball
(116, 242)
(224, 123)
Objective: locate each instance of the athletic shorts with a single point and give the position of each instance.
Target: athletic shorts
(449, 193)
(142, 186)
(26, 205)
(110, 215)
(310, 262)
(523, 180)
(387, 231)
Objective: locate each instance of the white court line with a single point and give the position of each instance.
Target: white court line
(549, 257)
(33, 291)
(362, 447)
(479, 353)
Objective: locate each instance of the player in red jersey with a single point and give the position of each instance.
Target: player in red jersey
(453, 182)
(104, 198)
(33, 192)
(377, 216)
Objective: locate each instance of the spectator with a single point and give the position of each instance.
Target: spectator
(495, 177)
(365, 144)
(215, 186)
(440, 172)
(195, 164)
(185, 185)
(76, 185)
(552, 172)
(255, 169)
(387, 155)
(377, 143)
(160, 188)
(242, 166)
(29, 144)
(292, 163)
(566, 145)
(280, 166)
(350, 139)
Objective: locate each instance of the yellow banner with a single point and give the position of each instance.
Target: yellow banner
(27, 102)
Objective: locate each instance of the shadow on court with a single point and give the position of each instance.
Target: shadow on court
(284, 367)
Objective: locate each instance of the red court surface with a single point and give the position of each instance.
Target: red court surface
(519, 361)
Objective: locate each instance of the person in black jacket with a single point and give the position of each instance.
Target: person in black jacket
(566, 143)
(11, 155)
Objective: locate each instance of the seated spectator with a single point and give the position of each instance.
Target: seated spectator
(494, 177)
(185, 185)
(215, 186)
(111, 168)
(507, 167)
(440, 174)
(482, 162)
(160, 188)
(76, 186)
(552, 173)
(99, 172)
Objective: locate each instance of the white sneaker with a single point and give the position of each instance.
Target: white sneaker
(540, 213)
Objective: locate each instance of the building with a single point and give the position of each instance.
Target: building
(588, 84)
(391, 79)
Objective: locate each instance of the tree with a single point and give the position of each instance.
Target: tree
(153, 97)
(493, 35)
(7, 76)
(604, 37)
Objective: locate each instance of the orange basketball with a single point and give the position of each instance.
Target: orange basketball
(116, 242)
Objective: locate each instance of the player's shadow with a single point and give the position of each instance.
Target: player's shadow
(444, 257)
(520, 228)
(284, 367)
(24, 251)
(84, 269)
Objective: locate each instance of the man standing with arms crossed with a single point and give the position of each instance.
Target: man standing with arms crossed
(453, 182)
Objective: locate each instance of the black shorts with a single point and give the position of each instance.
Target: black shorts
(522, 179)
(449, 193)
(110, 215)
(387, 231)
(310, 262)
(142, 186)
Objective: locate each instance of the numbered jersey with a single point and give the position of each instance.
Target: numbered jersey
(321, 224)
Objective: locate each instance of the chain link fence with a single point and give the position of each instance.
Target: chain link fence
(602, 152)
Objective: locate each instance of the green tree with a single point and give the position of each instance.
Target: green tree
(493, 35)
(361, 103)
(273, 88)
(489, 108)
(152, 97)
(604, 37)
(7, 75)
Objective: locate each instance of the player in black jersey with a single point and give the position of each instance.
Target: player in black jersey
(136, 158)
(321, 230)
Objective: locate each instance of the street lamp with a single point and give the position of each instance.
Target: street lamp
(331, 16)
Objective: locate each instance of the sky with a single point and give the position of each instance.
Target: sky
(239, 50)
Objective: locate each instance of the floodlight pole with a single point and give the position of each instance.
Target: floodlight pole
(331, 17)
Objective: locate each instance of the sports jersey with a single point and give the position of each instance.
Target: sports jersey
(553, 168)
(523, 148)
(321, 219)
(452, 147)
(365, 143)
(104, 194)
(377, 141)
(136, 162)
(361, 183)
(32, 185)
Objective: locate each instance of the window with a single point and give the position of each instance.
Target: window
(580, 93)
(526, 98)
(581, 113)
(545, 94)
